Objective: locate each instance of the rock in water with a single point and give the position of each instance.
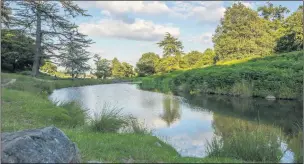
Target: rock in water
(45, 145)
(270, 97)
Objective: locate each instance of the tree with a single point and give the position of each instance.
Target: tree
(208, 57)
(171, 45)
(103, 68)
(117, 69)
(49, 67)
(5, 13)
(292, 40)
(127, 70)
(146, 65)
(271, 12)
(74, 57)
(17, 50)
(242, 33)
(274, 15)
(49, 23)
(192, 58)
(168, 64)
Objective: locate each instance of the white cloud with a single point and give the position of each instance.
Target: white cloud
(138, 30)
(201, 11)
(210, 11)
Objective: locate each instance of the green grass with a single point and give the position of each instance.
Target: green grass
(257, 77)
(25, 106)
(110, 147)
(109, 120)
(258, 145)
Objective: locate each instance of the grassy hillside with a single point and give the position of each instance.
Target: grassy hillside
(279, 75)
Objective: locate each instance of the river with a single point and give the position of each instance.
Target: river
(187, 123)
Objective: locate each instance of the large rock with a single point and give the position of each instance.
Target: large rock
(45, 145)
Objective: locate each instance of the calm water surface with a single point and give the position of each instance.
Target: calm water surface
(187, 123)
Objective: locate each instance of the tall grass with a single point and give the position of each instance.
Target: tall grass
(78, 116)
(259, 145)
(109, 119)
(242, 89)
(138, 127)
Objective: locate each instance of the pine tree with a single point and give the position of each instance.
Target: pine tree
(46, 21)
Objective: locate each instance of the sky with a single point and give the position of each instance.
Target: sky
(127, 29)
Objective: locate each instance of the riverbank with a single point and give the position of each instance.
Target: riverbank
(25, 105)
(259, 77)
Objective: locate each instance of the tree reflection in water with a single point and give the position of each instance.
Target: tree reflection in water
(171, 109)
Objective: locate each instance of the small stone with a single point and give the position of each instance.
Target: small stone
(270, 97)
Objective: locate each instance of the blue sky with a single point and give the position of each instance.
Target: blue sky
(126, 29)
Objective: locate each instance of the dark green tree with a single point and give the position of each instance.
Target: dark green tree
(17, 50)
(271, 12)
(46, 21)
(74, 56)
(171, 46)
(292, 40)
(147, 64)
(242, 33)
(103, 68)
(5, 13)
(117, 69)
(128, 70)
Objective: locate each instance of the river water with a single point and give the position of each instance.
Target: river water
(189, 122)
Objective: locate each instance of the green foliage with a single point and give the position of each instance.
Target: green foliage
(6, 12)
(127, 70)
(117, 69)
(123, 69)
(74, 56)
(271, 12)
(17, 50)
(146, 65)
(103, 68)
(171, 46)
(292, 40)
(267, 76)
(49, 68)
(109, 120)
(168, 64)
(260, 145)
(235, 38)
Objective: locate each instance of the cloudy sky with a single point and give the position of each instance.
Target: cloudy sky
(126, 29)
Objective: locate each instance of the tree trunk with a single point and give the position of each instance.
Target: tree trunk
(35, 70)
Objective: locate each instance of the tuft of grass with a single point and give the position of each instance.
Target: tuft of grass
(109, 120)
(242, 89)
(77, 114)
(138, 127)
(259, 145)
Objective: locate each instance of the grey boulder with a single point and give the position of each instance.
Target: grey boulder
(45, 145)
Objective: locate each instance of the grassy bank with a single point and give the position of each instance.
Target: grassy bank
(257, 77)
(25, 105)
